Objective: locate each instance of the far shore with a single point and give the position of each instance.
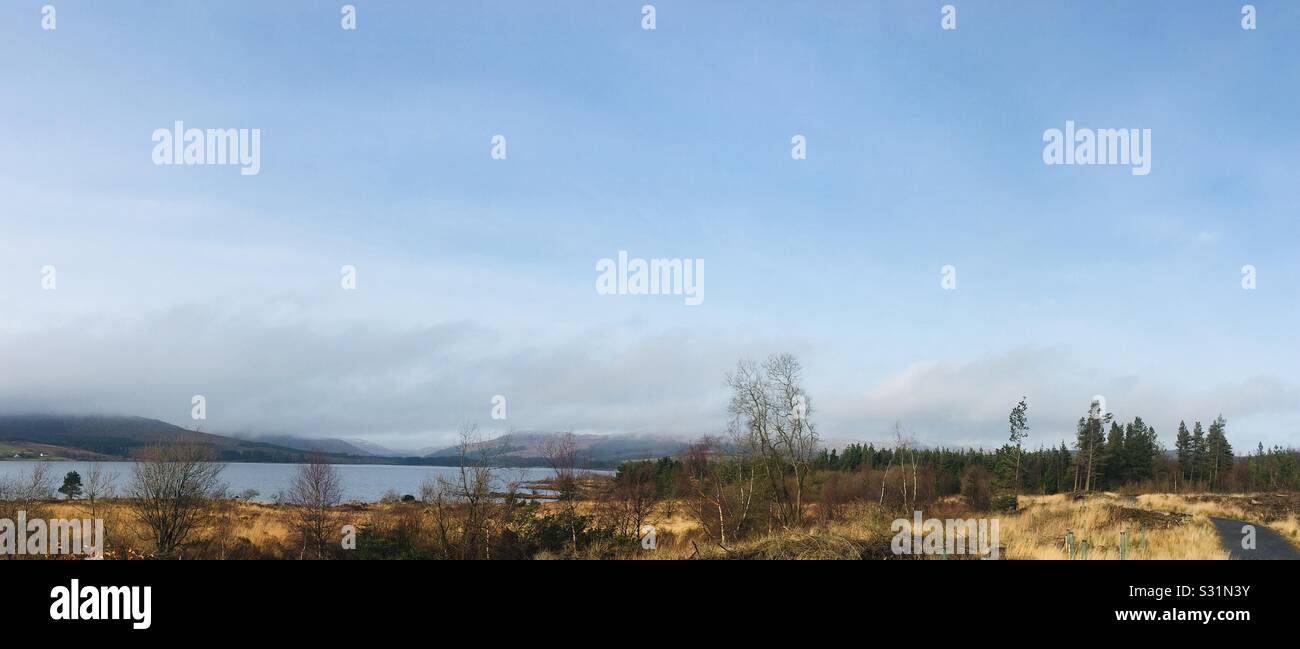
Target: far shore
(598, 467)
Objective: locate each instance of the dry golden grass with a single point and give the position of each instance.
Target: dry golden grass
(1179, 503)
(261, 526)
(1270, 510)
(863, 533)
(255, 521)
(1289, 528)
(1037, 531)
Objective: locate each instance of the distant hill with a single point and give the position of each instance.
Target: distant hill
(322, 445)
(377, 450)
(594, 450)
(98, 437)
(124, 438)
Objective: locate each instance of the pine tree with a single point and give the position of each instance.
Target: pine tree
(1089, 440)
(1199, 452)
(1062, 466)
(1140, 449)
(1258, 473)
(1019, 431)
(1113, 457)
(71, 485)
(1218, 451)
(1183, 444)
(1080, 448)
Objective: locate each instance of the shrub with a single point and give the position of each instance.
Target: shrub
(1004, 503)
(975, 486)
(554, 534)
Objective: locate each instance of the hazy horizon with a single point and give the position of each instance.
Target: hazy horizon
(476, 277)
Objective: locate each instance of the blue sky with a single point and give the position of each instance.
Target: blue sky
(475, 276)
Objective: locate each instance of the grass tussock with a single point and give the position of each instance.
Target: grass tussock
(1289, 528)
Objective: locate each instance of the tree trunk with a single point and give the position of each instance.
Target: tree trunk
(885, 480)
(1017, 468)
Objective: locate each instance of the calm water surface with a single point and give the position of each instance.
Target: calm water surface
(366, 482)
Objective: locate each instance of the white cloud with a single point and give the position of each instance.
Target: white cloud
(967, 403)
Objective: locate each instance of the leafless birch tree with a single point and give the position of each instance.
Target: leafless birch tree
(771, 419)
(171, 493)
(316, 489)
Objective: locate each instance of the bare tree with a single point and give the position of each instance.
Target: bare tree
(172, 488)
(27, 493)
(561, 452)
(314, 492)
(100, 485)
(632, 497)
(721, 489)
(771, 418)
(905, 449)
(464, 508)
(885, 480)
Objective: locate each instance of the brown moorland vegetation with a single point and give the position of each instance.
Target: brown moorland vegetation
(1159, 526)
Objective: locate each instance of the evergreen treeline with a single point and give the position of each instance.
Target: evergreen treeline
(1106, 456)
(730, 489)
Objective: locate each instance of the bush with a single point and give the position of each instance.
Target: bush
(399, 533)
(1004, 503)
(975, 486)
(554, 534)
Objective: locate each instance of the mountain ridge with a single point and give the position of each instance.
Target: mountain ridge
(123, 437)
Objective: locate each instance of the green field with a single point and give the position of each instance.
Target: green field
(8, 450)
